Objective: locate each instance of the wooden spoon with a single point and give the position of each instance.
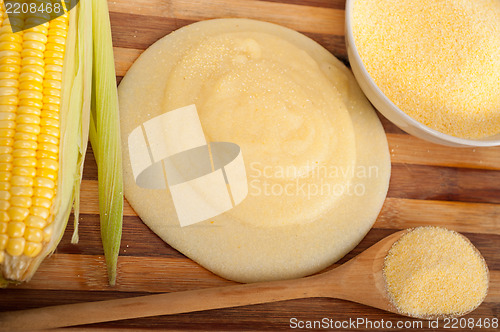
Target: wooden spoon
(359, 280)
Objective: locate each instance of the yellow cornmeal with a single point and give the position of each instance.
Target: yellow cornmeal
(433, 271)
(438, 61)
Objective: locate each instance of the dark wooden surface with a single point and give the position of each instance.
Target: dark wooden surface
(430, 185)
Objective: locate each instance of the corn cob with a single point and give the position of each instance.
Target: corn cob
(31, 74)
(46, 82)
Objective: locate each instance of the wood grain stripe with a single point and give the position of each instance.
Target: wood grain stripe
(444, 184)
(411, 150)
(131, 37)
(311, 19)
(461, 217)
(338, 4)
(124, 58)
(397, 213)
(263, 317)
(136, 274)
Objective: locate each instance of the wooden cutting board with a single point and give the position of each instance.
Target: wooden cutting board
(430, 185)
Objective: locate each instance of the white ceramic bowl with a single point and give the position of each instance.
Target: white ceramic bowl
(389, 109)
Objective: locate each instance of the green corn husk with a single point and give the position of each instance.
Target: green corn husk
(86, 34)
(105, 137)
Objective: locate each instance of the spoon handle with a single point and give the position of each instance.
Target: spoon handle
(159, 304)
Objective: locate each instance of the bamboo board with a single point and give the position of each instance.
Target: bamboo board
(430, 185)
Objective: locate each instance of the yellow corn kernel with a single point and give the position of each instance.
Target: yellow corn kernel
(5, 158)
(23, 153)
(7, 124)
(32, 249)
(44, 183)
(43, 138)
(48, 164)
(11, 37)
(28, 128)
(3, 241)
(31, 85)
(47, 173)
(54, 131)
(42, 202)
(34, 44)
(30, 94)
(21, 191)
(30, 76)
(55, 47)
(9, 100)
(43, 192)
(48, 147)
(40, 29)
(17, 213)
(33, 235)
(8, 91)
(3, 228)
(49, 114)
(4, 185)
(54, 84)
(8, 108)
(15, 229)
(4, 196)
(11, 46)
(10, 82)
(25, 136)
(33, 69)
(31, 101)
(51, 92)
(32, 53)
(53, 75)
(24, 171)
(6, 141)
(47, 233)
(5, 167)
(52, 100)
(28, 119)
(29, 110)
(2, 256)
(24, 162)
(4, 217)
(35, 222)
(21, 201)
(49, 53)
(15, 246)
(41, 154)
(21, 181)
(54, 31)
(58, 24)
(5, 176)
(4, 205)
(39, 212)
(35, 36)
(32, 60)
(5, 149)
(7, 119)
(53, 38)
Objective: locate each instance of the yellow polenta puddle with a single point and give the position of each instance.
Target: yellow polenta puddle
(433, 271)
